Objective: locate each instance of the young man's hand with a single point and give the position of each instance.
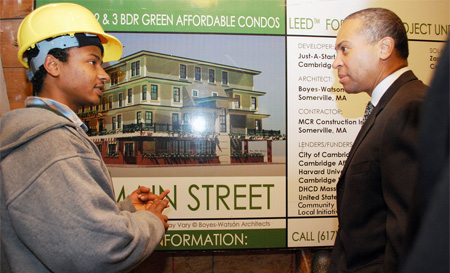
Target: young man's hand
(157, 208)
(144, 199)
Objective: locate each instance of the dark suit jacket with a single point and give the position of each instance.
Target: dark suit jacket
(375, 188)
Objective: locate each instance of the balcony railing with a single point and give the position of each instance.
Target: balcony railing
(180, 129)
(157, 128)
(264, 133)
(161, 128)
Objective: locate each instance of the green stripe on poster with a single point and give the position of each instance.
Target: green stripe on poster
(223, 239)
(188, 16)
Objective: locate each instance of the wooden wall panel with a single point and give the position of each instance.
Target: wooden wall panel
(8, 43)
(11, 9)
(11, 14)
(18, 87)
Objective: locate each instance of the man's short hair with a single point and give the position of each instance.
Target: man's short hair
(379, 23)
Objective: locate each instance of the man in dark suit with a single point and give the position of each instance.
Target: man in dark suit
(375, 189)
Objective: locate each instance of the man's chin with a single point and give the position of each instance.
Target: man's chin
(350, 90)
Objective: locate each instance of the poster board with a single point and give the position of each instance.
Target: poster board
(277, 57)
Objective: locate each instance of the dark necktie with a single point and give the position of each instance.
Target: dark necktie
(369, 109)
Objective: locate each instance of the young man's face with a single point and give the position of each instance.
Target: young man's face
(356, 60)
(82, 77)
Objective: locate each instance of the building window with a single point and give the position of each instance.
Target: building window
(112, 149)
(144, 92)
(204, 147)
(110, 101)
(187, 146)
(198, 74)
(175, 121)
(154, 92)
(104, 103)
(114, 78)
(185, 118)
(175, 146)
(195, 93)
(181, 145)
(212, 76)
(223, 120)
(176, 94)
(237, 103)
(135, 68)
(182, 71)
(113, 123)
(258, 125)
(119, 122)
(120, 99)
(148, 117)
(224, 77)
(139, 117)
(100, 125)
(253, 103)
(129, 149)
(215, 94)
(130, 95)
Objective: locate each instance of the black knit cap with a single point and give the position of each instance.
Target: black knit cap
(86, 39)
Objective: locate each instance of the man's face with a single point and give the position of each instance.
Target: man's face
(356, 60)
(82, 77)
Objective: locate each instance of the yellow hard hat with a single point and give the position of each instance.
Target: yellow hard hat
(58, 19)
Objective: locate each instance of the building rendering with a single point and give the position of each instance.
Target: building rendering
(164, 109)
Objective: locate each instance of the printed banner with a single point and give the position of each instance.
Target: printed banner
(235, 108)
(198, 16)
(224, 213)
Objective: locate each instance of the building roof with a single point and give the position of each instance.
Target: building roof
(173, 57)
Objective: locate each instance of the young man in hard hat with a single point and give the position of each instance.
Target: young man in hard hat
(58, 209)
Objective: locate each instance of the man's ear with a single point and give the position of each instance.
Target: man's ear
(387, 47)
(51, 64)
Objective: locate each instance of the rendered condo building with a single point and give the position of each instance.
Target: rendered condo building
(164, 109)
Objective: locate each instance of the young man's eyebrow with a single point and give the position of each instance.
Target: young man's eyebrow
(99, 59)
(96, 56)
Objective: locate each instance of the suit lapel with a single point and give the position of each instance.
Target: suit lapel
(367, 126)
